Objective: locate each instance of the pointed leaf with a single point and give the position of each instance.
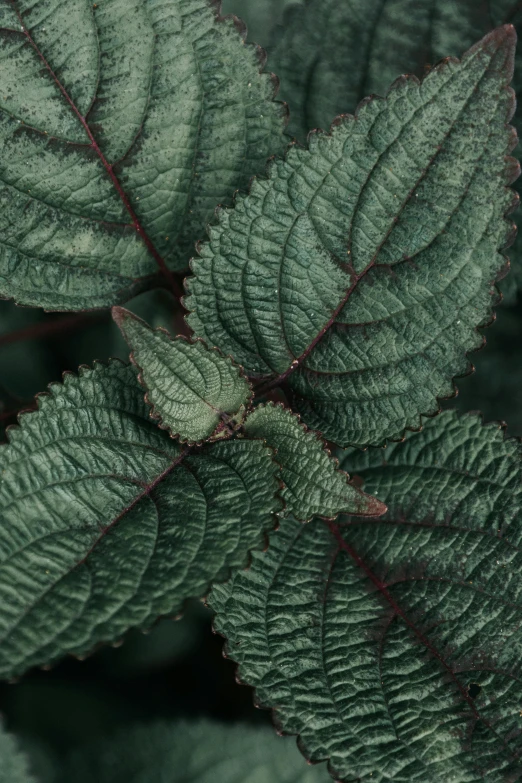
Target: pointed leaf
(313, 482)
(122, 125)
(329, 55)
(393, 646)
(193, 752)
(358, 273)
(105, 523)
(196, 393)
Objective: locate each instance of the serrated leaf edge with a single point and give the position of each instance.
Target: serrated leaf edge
(311, 434)
(274, 710)
(154, 413)
(495, 293)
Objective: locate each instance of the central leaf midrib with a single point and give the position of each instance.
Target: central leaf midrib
(357, 277)
(140, 230)
(399, 612)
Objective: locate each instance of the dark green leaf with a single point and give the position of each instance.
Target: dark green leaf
(358, 273)
(331, 54)
(122, 125)
(195, 393)
(393, 646)
(313, 482)
(105, 523)
(198, 752)
(14, 766)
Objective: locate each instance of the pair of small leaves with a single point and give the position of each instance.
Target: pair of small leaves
(122, 125)
(358, 273)
(199, 395)
(107, 522)
(393, 646)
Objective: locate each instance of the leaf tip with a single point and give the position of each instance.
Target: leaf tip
(120, 315)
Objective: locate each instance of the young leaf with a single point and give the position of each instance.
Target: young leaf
(122, 124)
(313, 482)
(201, 751)
(106, 523)
(393, 646)
(358, 273)
(196, 393)
(14, 766)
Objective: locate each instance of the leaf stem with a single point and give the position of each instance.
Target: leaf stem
(57, 325)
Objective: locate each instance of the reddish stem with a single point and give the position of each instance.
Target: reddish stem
(146, 491)
(265, 386)
(41, 330)
(399, 612)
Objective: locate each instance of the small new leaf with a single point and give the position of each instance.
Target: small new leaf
(122, 125)
(393, 646)
(313, 484)
(196, 393)
(107, 523)
(358, 273)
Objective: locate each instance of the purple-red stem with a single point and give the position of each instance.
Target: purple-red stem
(41, 330)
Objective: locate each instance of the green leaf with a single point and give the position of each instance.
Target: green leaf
(358, 273)
(202, 751)
(331, 54)
(106, 523)
(14, 766)
(195, 393)
(313, 482)
(393, 646)
(122, 125)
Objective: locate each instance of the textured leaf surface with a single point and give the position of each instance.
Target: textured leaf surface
(313, 482)
(331, 54)
(122, 125)
(105, 523)
(393, 646)
(194, 392)
(199, 752)
(358, 273)
(14, 766)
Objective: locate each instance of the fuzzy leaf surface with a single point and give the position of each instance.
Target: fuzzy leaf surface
(358, 272)
(106, 523)
(202, 751)
(191, 388)
(14, 766)
(393, 646)
(122, 125)
(313, 482)
(331, 54)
